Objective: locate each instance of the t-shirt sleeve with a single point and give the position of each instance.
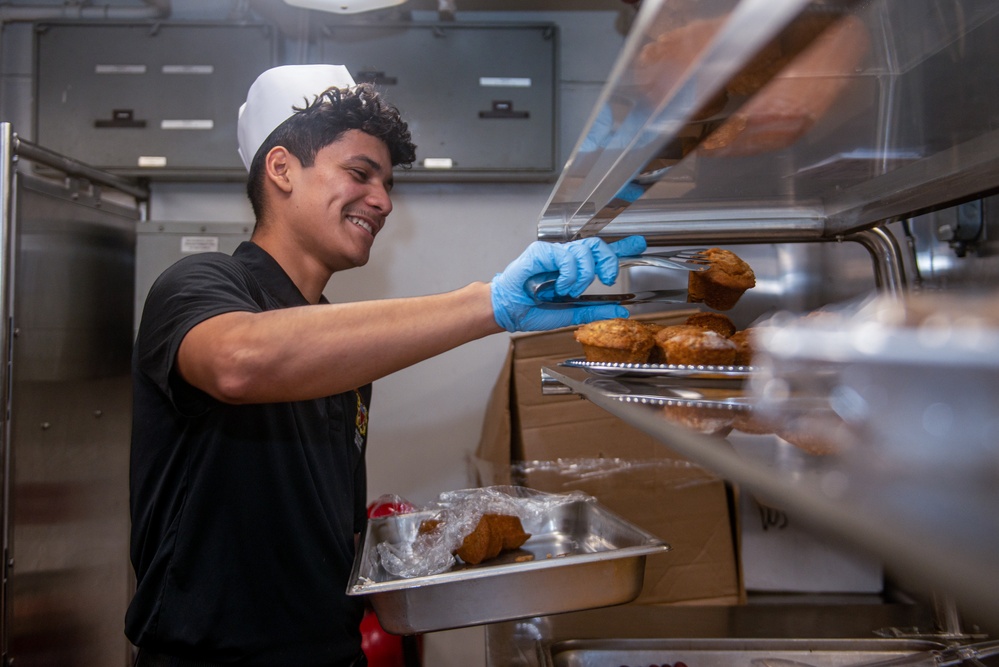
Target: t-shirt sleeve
(191, 291)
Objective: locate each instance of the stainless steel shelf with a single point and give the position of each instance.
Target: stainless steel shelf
(937, 533)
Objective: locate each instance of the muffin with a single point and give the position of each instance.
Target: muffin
(714, 321)
(723, 283)
(655, 355)
(658, 353)
(743, 347)
(753, 423)
(699, 347)
(819, 433)
(615, 341)
(653, 327)
(700, 419)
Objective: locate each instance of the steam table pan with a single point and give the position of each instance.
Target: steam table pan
(580, 556)
(729, 652)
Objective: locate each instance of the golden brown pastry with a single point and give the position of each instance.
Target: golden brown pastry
(659, 350)
(653, 327)
(615, 341)
(661, 62)
(804, 86)
(658, 353)
(749, 421)
(716, 322)
(743, 347)
(700, 419)
(763, 67)
(818, 434)
(655, 354)
(723, 283)
(494, 534)
(671, 330)
(699, 347)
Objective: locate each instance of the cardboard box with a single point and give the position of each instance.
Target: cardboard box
(781, 556)
(561, 443)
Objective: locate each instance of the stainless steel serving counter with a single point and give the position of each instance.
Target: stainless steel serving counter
(529, 643)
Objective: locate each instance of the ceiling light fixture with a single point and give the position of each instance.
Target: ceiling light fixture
(344, 6)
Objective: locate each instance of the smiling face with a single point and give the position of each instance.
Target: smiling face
(339, 204)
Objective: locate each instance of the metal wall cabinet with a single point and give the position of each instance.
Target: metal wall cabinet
(147, 99)
(480, 99)
(898, 117)
(67, 284)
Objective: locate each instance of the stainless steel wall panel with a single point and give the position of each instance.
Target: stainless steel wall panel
(71, 286)
(73, 275)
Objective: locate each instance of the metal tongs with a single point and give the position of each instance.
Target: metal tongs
(542, 286)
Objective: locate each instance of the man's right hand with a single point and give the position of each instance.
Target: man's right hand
(578, 263)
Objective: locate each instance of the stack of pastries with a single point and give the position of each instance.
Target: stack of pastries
(704, 339)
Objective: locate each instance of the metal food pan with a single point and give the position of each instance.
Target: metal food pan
(743, 652)
(581, 556)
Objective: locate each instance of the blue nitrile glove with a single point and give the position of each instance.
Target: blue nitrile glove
(577, 264)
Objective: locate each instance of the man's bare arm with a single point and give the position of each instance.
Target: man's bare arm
(312, 351)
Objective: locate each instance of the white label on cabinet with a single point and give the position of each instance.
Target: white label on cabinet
(152, 161)
(192, 244)
(438, 163)
(193, 124)
(119, 69)
(505, 81)
(188, 69)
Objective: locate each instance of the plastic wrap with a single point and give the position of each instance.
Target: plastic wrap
(456, 514)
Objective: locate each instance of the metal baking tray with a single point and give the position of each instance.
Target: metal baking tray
(582, 557)
(656, 392)
(675, 371)
(742, 652)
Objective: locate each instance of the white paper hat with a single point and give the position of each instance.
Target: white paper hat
(270, 100)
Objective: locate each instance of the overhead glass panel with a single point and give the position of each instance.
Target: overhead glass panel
(793, 119)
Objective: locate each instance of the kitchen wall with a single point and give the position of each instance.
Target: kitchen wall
(426, 419)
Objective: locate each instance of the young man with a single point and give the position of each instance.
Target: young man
(251, 390)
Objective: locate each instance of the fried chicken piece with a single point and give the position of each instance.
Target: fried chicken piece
(494, 534)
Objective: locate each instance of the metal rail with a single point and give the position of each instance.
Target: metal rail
(6, 256)
(29, 151)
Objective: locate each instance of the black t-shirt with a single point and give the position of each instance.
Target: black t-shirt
(243, 516)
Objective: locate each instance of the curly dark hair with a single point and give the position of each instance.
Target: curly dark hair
(321, 122)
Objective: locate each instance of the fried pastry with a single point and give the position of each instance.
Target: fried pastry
(494, 534)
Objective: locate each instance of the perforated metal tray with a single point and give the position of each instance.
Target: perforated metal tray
(675, 371)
